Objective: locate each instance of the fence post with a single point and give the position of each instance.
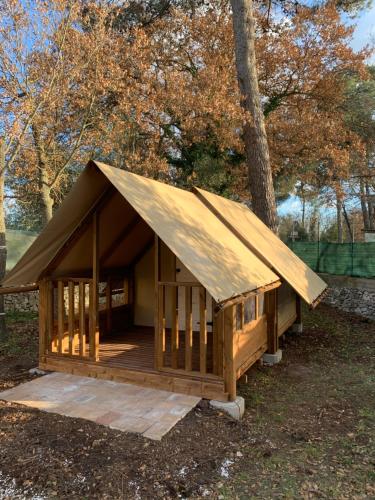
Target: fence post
(352, 259)
(318, 260)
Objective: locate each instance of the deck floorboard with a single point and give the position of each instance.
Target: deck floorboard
(135, 349)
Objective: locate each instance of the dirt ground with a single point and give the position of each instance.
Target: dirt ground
(308, 432)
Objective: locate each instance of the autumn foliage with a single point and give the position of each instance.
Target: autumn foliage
(162, 99)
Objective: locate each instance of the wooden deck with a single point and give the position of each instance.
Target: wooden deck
(135, 349)
(129, 357)
(132, 349)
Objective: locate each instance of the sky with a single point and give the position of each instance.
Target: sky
(365, 29)
(364, 34)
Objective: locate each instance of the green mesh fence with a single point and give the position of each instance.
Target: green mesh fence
(350, 259)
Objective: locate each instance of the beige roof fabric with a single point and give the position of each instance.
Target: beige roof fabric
(267, 246)
(211, 252)
(89, 186)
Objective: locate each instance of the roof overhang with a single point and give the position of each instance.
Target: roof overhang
(210, 250)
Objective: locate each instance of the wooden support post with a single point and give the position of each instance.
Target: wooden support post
(126, 290)
(108, 305)
(82, 319)
(188, 329)
(219, 328)
(43, 326)
(71, 316)
(229, 366)
(202, 331)
(158, 360)
(161, 327)
(271, 311)
(174, 326)
(131, 293)
(94, 306)
(298, 309)
(50, 290)
(60, 315)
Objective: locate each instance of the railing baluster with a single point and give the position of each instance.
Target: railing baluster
(82, 319)
(93, 322)
(50, 314)
(161, 327)
(215, 340)
(71, 315)
(60, 315)
(108, 305)
(91, 318)
(202, 331)
(188, 329)
(43, 291)
(174, 326)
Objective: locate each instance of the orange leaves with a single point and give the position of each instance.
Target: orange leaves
(141, 95)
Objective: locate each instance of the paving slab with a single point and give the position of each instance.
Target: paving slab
(125, 407)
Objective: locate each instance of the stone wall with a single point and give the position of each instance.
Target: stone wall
(355, 295)
(29, 301)
(22, 302)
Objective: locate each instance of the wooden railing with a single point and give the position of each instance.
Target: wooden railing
(118, 291)
(73, 309)
(69, 317)
(178, 345)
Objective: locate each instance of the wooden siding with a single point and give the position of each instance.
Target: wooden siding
(249, 344)
(287, 308)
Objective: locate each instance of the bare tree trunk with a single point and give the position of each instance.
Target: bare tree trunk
(254, 133)
(370, 207)
(339, 219)
(303, 212)
(347, 222)
(3, 246)
(365, 214)
(45, 199)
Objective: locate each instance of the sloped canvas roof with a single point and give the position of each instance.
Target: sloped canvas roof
(222, 263)
(267, 246)
(89, 186)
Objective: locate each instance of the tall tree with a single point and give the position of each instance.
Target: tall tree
(3, 246)
(254, 130)
(359, 109)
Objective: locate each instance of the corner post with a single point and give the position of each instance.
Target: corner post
(271, 312)
(42, 320)
(94, 312)
(229, 367)
(156, 303)
(297, 326)
(273, 354)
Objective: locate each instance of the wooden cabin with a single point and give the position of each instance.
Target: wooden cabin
(145, 283)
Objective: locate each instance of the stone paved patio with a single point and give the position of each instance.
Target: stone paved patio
(125, 407)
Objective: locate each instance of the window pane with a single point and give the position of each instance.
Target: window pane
(261, 305)
(249, 309)
(239, 317)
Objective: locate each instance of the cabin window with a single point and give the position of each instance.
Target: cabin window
(250, 310)
(239, 323)
(260, 305)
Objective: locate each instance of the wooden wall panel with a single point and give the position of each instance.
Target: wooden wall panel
(249, 341)
(286, 307)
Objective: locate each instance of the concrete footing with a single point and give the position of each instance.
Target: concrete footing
(36, 371)
(272, 359)
(297, 328)
(234, 408)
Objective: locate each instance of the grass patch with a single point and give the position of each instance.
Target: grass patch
(312, 417)
(18, 316)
